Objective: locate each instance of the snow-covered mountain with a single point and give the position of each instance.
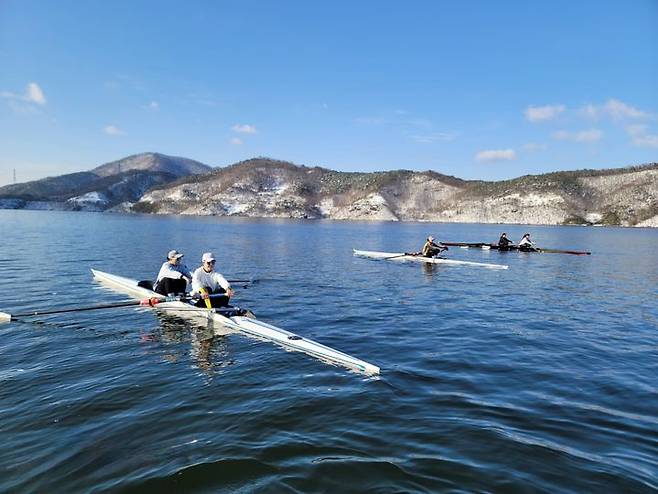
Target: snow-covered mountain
(104, 187)
(263, 187)
(269, 188)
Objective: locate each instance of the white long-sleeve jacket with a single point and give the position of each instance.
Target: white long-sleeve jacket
(169, 270)
(212, 280)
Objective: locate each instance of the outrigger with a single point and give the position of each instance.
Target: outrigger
(485, 246)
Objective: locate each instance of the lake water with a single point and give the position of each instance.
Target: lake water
(539, 378)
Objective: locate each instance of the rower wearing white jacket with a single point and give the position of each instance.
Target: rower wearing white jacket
(430, 249)
(173, 276)
(527, 244)
(206, 282)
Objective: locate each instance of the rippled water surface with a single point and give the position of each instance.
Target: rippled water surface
(539, 378)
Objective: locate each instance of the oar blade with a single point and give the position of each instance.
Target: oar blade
(4, 317)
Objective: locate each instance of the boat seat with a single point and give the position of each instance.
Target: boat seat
(148, 284)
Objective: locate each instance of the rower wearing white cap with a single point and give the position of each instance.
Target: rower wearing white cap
(430, 249)
(173, 276)
(206, 282)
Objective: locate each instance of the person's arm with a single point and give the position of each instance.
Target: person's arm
(221, 281)
(160, 274)
(197, 284)
(186, 272)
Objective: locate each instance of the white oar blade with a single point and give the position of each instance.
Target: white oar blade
(4, 317)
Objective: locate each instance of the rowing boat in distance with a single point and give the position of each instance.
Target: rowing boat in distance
(232, 319)
(404, 256)
(539, 250)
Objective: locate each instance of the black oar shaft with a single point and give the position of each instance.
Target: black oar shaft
(76, 309)
(560, 251)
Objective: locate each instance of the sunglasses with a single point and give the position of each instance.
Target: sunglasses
(209, 262)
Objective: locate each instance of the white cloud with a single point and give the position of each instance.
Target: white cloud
(534, 146)
(244, 129)
(33, 94)
(646, 140)
(618, 110)
(151, 106)
(203, 98)
(590, 135)
(613, 108)
(434, 137)
(237, 141)
(399, 119)
(371, 120)
(21, 108)
(496, 155)
(589, 111)
(113, 130)
(635, 130)
(543, 113)
(640, 137)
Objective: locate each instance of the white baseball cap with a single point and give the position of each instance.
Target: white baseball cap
(174, 254)
(430, 238)
(207, 257)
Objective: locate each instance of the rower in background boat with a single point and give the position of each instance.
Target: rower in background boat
(173, 276)
(526, 245)
(431, 249)
(207, 282)
(504, 242)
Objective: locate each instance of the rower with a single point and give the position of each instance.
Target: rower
(173, 276)
(504, 242)
(526, 244)
(207, 282)
(430, 249)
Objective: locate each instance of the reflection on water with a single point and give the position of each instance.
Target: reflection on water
(208, 343)
(430, 269)
(210, 352)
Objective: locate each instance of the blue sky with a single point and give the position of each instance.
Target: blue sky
(476, 89)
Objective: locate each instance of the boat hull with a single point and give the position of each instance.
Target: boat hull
(539, 250)
(244, 325)
(401, 256)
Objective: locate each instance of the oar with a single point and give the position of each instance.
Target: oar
(402, 255)
(4, 317)
(464, 244)
(559, 251)
(203, 292)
